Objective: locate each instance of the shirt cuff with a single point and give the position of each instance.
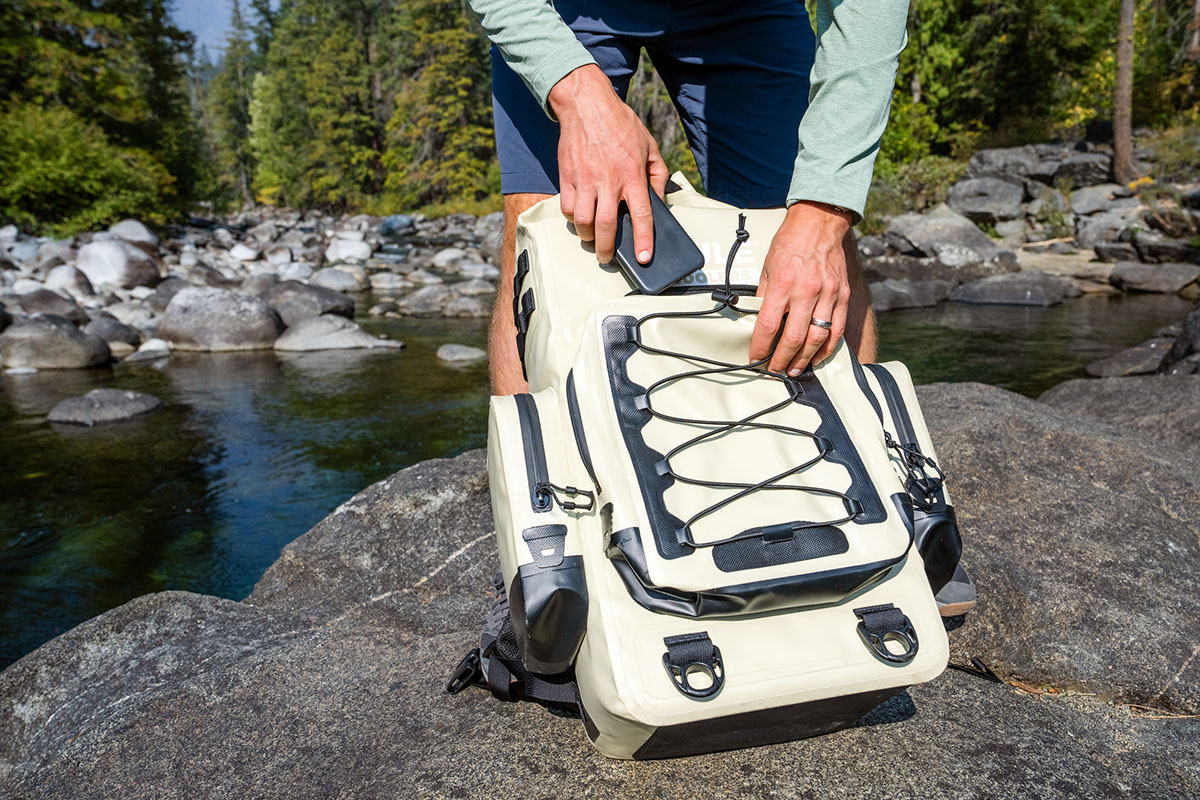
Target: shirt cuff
(553, 69)
(848, 192)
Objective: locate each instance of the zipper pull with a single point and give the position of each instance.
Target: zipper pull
(551, 492)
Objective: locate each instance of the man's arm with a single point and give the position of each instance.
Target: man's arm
(605, 154)
(804, 276)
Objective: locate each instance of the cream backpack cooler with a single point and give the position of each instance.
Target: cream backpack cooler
(697, 555)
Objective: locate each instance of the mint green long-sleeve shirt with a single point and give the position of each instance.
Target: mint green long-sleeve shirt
(858, 48)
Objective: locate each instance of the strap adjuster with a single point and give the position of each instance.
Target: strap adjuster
(692, 653)
(469, 672)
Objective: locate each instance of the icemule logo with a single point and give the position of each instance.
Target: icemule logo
(745, 266)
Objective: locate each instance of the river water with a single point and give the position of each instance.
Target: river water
(253, 449)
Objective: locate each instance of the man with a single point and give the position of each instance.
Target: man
(763, 135)
(773, 114)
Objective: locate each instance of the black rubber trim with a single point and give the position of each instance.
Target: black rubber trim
(519, 280)
(547, 544)
(860, 378)
(804, 544)
(522, 319)
(535, 451)
(577, 428)
(757, 728)
(548, 606)
(905, 430)
(625, 550)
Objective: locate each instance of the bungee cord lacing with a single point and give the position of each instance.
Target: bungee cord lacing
(726, 298)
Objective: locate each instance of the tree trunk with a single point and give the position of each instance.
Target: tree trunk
(1193, 49)
(1122, 112)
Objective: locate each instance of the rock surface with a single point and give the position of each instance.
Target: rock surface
(1015, 289)
(1080, 537)
(49, 342)
(116, 263)
(218, 320)
(461, 353)
(1164, 278)
(44, 301)
(1164, 409)
(946, 235)
(103, 405)
(294, 301)
(328, 332)
(986, 199)
(895, 294)
(1142, 359)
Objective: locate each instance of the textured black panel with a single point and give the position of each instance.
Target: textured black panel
(807, 543)
(756, 728)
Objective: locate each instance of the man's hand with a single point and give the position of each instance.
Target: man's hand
(605, 155)
(803, 278)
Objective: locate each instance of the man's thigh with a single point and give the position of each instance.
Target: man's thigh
(739, 75)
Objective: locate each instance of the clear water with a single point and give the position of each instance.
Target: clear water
(254, 449)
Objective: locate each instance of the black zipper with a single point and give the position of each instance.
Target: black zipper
(924, 479)
(895, 404)
(535, 452)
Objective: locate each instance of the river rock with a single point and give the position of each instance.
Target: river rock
(1144, 359)
(67, 278)
(151, 350)
(328, 332)
(1085, 169)
(894, 294)
(296, 271)
(1156, 247)
(339, 280)
(341, 249)
(44, 301)
(104, 405)
(50, 255)
(478, 270)
(423, 277)
(950, 237)
(218, 320)
(1017, 289)
(136, 234)
(448, 257)
(461, 354)
(164, 292)
(1068, 528)
(911, 268)
(389, 282)
(46, 341)
(136, 315)
(113, 332)
(1105, 226)
(1187, 342)
(1166, 410)
(428, 301)
(1162, 278)
(397, 225)
(1091, 199)
(9, 232)
(264, 233)
(464, 307)
(243, 252)
(476, 287)
(5, 318)
(348, 638)
(118, 263)
(294, 301)
(278, 255)
(986, 199)
(1115, 251)
(1003, 162)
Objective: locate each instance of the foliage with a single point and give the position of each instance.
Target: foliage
(228, 103)
(440, 142)
(912, 186)
(62, 175)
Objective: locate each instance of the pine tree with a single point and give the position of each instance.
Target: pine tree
(229, 106)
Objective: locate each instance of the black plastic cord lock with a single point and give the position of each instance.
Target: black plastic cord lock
(469, 672)
(691, 654)
(550, 492)
(880, 624)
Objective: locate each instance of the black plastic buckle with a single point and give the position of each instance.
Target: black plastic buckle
(468, 673)
(879, 624)
(694, 652)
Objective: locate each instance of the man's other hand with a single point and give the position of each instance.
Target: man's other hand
(803, 278)
(605, 155)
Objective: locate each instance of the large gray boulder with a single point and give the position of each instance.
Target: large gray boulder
(1082, 539)
(339, 280)
(428, 301)
(912, 268)
(218, 320)
(1105, 226)
(1100, 197)
(137, 234)
(1014, 289)
(950, 237)
(1085, 169)
(113, 331)
(101, 406)
(1133, 276)
(1010, 163)
(44, 301)
(331, 674)
(67, 278)
(1156, 247)
(986, 199)
(5, 318)
(1166, 410)
(294, 301)
(894, 294)
(1143, 359)
(46, 341)
(118, 263)
(329, 332)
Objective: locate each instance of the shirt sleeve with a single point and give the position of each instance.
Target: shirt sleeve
(858, 49)
(534, 41)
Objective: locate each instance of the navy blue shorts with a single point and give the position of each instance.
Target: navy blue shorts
(737, 73)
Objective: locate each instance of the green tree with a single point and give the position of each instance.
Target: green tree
(229, 106)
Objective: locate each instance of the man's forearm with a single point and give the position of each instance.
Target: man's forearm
(852, 78)
(534, 42)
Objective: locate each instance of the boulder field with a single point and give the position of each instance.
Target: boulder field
(1082, 532)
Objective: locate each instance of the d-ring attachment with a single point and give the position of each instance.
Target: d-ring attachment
(879, 625)
(690, 654)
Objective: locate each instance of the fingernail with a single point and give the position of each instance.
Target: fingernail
(644, 256)
(795, 373)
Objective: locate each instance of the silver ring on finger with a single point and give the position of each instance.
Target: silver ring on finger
(821, 323)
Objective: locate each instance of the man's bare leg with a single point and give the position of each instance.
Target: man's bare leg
(504, 362)
(860, 317)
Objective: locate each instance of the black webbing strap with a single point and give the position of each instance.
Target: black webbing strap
(880, 624)
(693, 652)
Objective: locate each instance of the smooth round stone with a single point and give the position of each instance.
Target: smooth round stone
(461, 354)
(478, 270)
(103, 405)
(218, 320)
(329, 332)
(424, 277)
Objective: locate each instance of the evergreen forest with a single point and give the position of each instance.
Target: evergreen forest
(108, 109)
